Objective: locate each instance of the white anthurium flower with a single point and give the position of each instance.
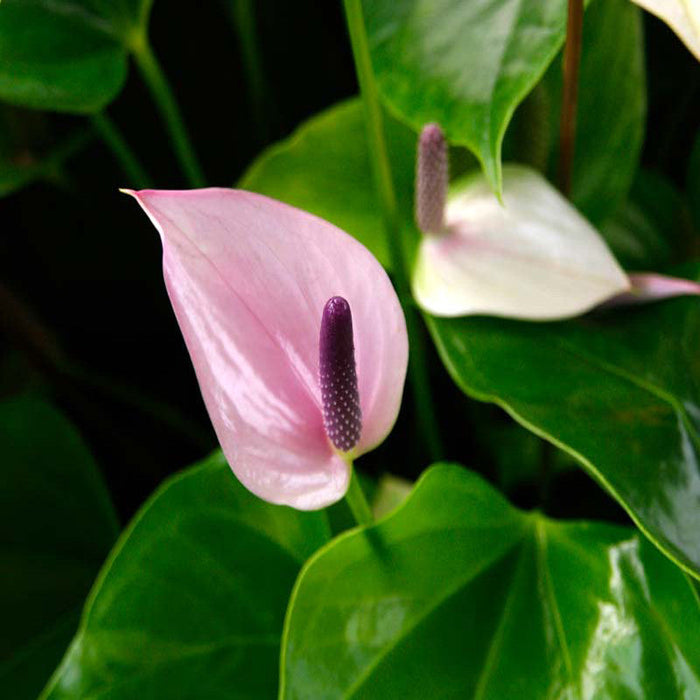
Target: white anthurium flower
(530, 256)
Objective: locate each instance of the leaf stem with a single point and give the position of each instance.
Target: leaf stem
(357, 502)
(164, 98)
(572, 61)
(113, 138)
(379, 155)
(242, 14)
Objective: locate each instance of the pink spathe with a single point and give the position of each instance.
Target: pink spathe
(248, 278)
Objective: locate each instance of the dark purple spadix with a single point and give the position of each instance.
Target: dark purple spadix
(431, 179)
(342, 416)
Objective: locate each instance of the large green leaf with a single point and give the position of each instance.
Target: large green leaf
(66, 55)
(192, 599)
(57, 525)
(459, 595)
(611, 107)
(324, 168)
(619, 390)
(465, 65)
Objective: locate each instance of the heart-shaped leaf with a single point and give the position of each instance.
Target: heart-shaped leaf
(464, 65)
(66, 55)
(191, 601)
(617, 390)
(57, 525)
(457, 594)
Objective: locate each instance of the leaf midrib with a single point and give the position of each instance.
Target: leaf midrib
(419, 619)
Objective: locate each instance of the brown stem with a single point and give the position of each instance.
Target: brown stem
(572, 60)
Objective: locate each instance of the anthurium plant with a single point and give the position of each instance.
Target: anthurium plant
(403, 404)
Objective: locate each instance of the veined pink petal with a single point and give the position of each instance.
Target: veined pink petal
(248, 278)
(649, 286)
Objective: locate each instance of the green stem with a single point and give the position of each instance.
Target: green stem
(392, 225)
(165, 100)
(110, 134)
(357, 502)
(242, 13)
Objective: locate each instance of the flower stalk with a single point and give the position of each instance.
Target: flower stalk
(164, 98)
(357, 502)
(115, 141)
(379, 155)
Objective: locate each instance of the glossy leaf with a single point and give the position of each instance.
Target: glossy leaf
(57, 525)
(66, 55)
(611, 111)
(464, 65)
(324, 168)
(457, 594)
(618, 390)
(683, 16)
(191, 601)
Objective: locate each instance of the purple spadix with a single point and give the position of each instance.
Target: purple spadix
(431, 179)
(342, 416)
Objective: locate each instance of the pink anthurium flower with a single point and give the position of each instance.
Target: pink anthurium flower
(532, 257)
(295, 333)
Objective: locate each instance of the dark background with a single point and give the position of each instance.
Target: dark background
(83, 309)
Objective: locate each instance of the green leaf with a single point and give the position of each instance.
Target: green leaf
(611, 108)
(191, 601)
(459, 595)
(66, 55)
(465, 65)
(619, 391)
(324, 168)
(57, 525)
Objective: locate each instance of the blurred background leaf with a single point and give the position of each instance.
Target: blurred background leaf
(66, 55)
(57, 525)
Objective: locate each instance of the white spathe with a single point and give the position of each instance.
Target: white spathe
(532, 257)
(683, 16)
